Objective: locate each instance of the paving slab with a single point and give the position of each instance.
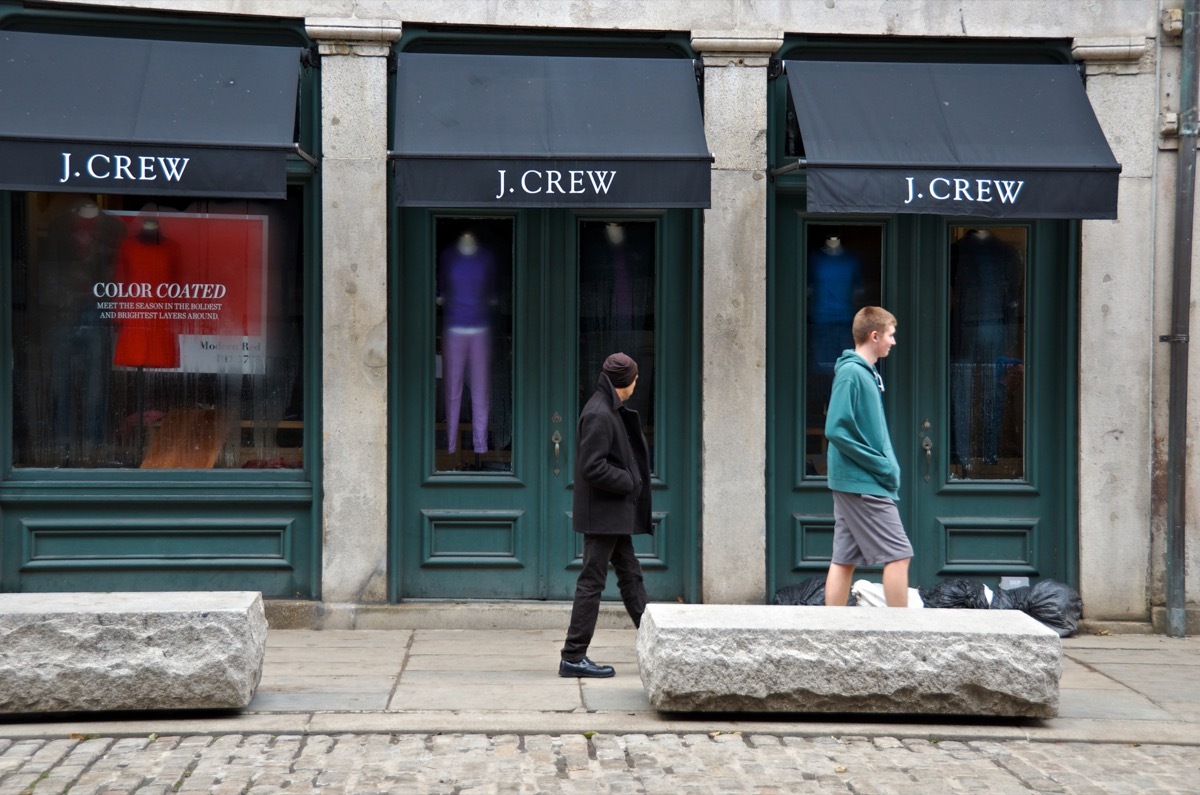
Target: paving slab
(1128, 641)
(1158, 682)
(482, 665)
(332, 638)
(1116, 704)
(1083, 679)
(561, 696)
(622, 698)
(1186, 711)
(327, 684)
(330, 701)
(515, 676)
(515, 642)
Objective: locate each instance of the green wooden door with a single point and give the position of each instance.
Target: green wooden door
(501, 324)
(979, 390)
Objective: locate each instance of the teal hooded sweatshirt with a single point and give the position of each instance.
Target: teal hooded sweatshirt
(860, 457)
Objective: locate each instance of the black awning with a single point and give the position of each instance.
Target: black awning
(986, 140)
(530, 131)
(110, 115)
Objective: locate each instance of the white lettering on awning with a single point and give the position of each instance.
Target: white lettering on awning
(959, 190)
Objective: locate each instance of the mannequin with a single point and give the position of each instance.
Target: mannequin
(622, 307)
(147, 257)
(834, 293)
(467, 293)
(617, 277)
(835, 284)
(81, 250)
(615, 233)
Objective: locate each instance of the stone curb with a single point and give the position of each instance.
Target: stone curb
(528, 723)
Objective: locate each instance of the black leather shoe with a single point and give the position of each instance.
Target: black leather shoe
(585, 668)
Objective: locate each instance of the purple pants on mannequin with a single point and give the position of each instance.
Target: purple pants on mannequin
(460, 349)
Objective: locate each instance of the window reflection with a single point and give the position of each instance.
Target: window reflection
(157, 335)
(987, 352)
(843, 272)
(79, 250)
(474, 345)
(617, 274)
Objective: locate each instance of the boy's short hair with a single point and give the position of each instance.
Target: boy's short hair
(871, 318)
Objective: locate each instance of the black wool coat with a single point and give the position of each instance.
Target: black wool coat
(612, 468)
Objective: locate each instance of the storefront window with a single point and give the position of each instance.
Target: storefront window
(987, 352)
(157, 334)
(474, 349)
(617, 275)
(843, 275)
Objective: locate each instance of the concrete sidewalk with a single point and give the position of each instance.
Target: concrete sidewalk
(1114, 689)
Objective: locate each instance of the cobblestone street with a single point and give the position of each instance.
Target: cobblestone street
(360, 712)
(539, 763)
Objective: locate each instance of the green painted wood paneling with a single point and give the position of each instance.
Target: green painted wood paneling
(960, 527)
(124, 529)
(489, 534)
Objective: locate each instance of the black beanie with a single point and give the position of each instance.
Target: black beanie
(620, 369)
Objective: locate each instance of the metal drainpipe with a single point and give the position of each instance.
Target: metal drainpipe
(1185, 199)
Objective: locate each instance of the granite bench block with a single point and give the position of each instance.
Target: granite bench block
(770, 658)
(85, 652)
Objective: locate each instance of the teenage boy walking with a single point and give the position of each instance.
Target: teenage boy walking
(863, 472)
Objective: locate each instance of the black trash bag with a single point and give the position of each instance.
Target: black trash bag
(1012, 599)
(1056, 605)
(956, 593)
(809, 592)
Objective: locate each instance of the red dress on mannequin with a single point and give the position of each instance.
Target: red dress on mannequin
(146, 258)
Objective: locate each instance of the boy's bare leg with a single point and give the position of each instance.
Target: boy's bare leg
(895, 583)
(837, 584)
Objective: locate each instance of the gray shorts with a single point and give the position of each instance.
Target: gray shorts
(867, 531)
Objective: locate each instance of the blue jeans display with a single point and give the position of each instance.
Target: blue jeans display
(462, 350)
(977, 387)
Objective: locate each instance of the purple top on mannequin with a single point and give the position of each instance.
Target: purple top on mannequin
(466, 282)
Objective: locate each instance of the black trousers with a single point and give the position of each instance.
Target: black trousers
(598, 552)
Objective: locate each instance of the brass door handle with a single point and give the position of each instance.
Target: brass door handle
(556, 437)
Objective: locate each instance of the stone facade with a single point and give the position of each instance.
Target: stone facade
(1124, 291)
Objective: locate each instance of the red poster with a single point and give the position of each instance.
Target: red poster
(188, 293)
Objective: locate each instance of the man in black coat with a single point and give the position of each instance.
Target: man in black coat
(612, 503)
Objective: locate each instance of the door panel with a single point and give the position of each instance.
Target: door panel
(474, 348)
(823, 272)
(461, 324)
(974, 388)
(992, 462)
(638, 296)
(500, 341)
(986, 352)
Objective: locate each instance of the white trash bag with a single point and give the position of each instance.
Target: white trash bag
(870, 594)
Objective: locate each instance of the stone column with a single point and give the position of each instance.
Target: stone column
(1116, 336)
(354, 224)
(734, 407)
